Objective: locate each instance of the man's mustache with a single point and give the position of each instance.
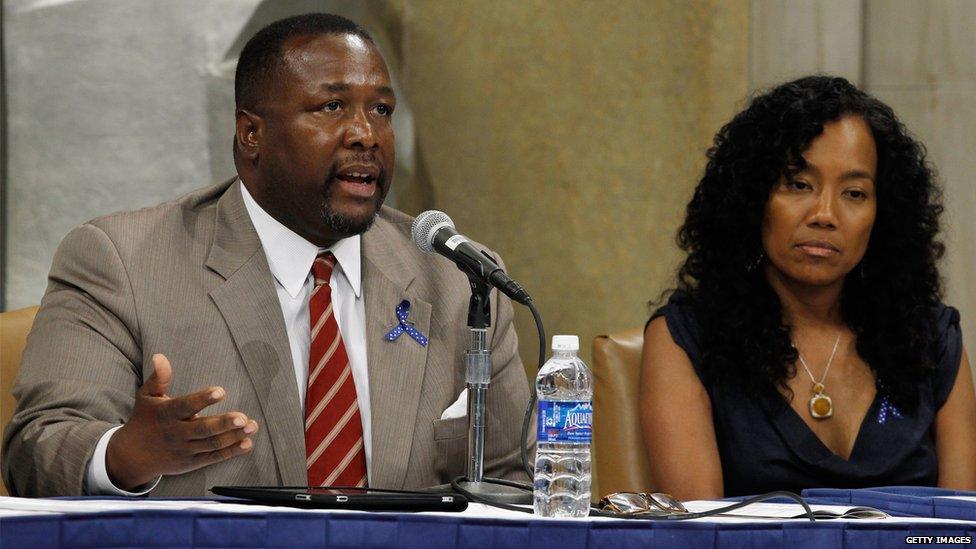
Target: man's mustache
(381, 179)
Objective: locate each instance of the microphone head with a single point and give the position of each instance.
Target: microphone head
(426, 225)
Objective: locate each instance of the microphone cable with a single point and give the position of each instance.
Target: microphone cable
(526, 421)
(476, 498)
(650, 515)
(721, 511)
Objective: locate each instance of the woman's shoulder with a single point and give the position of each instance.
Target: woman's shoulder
(946, 317)
(947, 349)
(682, 322)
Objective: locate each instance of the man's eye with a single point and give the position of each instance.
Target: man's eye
(384, 110)
(331, 106)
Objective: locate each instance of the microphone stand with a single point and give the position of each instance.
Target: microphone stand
(477, 377)
(477, 365)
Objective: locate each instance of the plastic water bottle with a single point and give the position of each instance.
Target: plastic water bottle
(562, 459)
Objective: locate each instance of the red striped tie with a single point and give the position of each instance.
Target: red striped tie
(334, 451)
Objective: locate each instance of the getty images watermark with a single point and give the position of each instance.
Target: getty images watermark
(959, 540)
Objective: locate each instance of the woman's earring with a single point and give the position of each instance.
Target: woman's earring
(755, 264)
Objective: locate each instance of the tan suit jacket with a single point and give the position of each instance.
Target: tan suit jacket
(189, 279)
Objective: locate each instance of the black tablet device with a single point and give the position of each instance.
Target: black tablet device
(332, 497)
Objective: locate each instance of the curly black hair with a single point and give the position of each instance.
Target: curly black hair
(887, 301)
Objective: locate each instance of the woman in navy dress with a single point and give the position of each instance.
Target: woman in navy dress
(806, 343)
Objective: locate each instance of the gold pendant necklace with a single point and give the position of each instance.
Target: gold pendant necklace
(821, 407)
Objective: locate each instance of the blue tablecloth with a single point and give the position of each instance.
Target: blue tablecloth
(915, 501)
(201, 528)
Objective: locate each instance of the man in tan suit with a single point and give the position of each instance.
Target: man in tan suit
(171, 351)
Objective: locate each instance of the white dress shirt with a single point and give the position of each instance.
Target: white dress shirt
(290, 259)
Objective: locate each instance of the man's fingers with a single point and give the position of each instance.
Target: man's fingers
(185, 407)
(157, 383)
(210, 426)
(223, 440)
(223, 454)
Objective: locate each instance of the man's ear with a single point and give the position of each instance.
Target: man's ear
(248, 133)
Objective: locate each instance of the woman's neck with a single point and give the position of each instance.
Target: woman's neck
(805, 305)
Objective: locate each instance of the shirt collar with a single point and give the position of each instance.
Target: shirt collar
(290, 256)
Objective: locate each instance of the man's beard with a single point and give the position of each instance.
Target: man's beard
(346, 225)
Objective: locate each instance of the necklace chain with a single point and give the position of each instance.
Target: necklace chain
(827, 369)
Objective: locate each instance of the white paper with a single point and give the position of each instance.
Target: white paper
(12, 506)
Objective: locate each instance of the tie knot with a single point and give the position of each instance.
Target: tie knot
(322, 268)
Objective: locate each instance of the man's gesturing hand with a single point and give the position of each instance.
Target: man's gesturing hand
(165, 435)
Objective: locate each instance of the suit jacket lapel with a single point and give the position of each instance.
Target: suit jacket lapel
(396, 368)
(249, 304)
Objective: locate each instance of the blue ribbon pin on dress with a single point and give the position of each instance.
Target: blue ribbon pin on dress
(404, 325)
(886, 410)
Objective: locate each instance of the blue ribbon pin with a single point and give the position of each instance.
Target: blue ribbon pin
(886, 410)
(404, 325)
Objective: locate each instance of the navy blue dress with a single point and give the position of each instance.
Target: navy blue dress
(765, 446)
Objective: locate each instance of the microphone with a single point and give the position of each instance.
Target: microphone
(434, 232)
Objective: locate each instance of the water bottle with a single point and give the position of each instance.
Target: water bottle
(562, 459)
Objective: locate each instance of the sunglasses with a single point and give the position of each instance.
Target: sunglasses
(631, 503)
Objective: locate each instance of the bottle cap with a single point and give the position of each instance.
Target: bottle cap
(565, 343)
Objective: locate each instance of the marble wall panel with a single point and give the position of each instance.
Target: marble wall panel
(3, 168)
(919, 44)
(793, 38)
(919, 58)
(108, 110)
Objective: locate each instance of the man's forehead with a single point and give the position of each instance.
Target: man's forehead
(342, 54)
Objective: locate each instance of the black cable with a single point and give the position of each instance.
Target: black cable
(720, 511)
(505, 482)
(475, 498)
(532, 399)
(594, 512)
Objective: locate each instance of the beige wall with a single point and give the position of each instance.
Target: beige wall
(568, 136)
